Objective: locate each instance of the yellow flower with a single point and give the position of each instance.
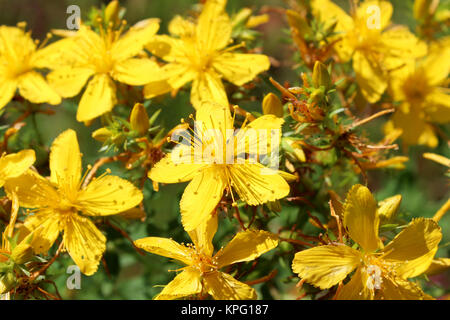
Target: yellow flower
(102, 59)
(59, 200)
(216, 167)
(201, 274)
(200, 54)
(381, 272)
(19, 59)
(364, 37)
(420, 89)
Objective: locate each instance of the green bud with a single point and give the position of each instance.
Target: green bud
(274, 206)
(320, 76)
(22, 253)
(7, 282)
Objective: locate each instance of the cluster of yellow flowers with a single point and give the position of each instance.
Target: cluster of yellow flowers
(201, 52)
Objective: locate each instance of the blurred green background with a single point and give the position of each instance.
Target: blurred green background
(132, 276)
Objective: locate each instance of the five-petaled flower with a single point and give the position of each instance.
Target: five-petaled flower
(381, 271)
(59, 200)
(202, 273)
(212, 171)
(200, 54)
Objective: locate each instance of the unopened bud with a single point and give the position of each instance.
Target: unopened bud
(22, 253)
(139, 119)
(320, 76)
(272, 105)
(424, 8)
(242, 16)
(112, 12)
(101, 134)
(7, 282)
(388, 207)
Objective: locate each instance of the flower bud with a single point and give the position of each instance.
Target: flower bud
(22, 253)
(101, 134)
(242, 16)
(272, 105)
(139, 119)
(112, 12)
(7, 282)
(424, 8)
(320, 76)
(388, 207)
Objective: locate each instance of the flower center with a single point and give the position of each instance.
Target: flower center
(416, 88)
(202, 262)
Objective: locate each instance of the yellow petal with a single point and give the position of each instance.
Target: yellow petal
(361, 218)
(208, 87)
(356, 288)
(213, 115)
(46, 227)
(437, 63)
(98, 98)
(32, 190)
(325, 266)
(246, 246)
(222, 286)
(256, 184)
(166, 248)
(399, 289)
(136, 72)
(240, 68)
(13, 165)
(203, 235)
(15, 43)
(201, 197)
(156, 88)
(108, 195)
(214, 27)
(69, 81)
(60, 54)
(33, 87)
(186, 283)
(414, 248)
(169, 170)
(86, 46)
(401, 47)
(370, 77)
(415, 129)
(437, 158)
(134, 40)
(65, 160)
(264, 128)
(7, 90)
(173, 75)
(438, 106)
(84, 242)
